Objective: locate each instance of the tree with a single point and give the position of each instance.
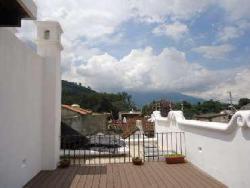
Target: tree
(243, 101)
(73, 93)
(147, 110)
(105, 105)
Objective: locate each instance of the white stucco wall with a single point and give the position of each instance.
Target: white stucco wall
(222, 150)
(30, 107)
(50, 50)
(20, 111)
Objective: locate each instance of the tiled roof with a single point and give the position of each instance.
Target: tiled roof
(77, 110)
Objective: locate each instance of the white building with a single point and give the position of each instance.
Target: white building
(30, 115)
(220, 149)
(30, 97)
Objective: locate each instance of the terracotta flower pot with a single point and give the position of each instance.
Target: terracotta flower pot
(175, 160)
(64, 163)
(137, 161)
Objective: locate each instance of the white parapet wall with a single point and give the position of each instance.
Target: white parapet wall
(220, 149)
(30, 103)
(21, 77)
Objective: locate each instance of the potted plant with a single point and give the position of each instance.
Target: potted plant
(174, 158)
(137, 161)
(64, 163)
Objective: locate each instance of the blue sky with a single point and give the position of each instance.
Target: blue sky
(195, 47)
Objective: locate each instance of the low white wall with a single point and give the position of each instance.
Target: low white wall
(222, 150)
(20, 111)
(30, 103)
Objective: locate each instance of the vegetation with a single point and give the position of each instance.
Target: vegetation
(190, 110)
(243, 101)
(137, 161)
(147, 109)
(73, 93)
(173, 155)
(206, 107)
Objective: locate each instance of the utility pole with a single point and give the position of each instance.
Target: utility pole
(231, 102)
(230, 98)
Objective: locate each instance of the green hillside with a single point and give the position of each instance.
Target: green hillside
(73, 93)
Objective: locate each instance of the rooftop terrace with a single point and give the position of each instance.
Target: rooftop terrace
(151, 174)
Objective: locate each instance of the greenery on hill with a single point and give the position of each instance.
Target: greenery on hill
(206, 107)
(73, 93)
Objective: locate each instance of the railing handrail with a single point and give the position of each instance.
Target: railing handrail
(85, 149)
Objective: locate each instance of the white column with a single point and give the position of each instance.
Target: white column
(49, 47)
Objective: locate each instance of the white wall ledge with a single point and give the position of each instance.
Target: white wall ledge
(176, 118)
(220, 149)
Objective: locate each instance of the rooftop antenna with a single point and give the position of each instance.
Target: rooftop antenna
(230, 98)
(231, 101)
(170, 106)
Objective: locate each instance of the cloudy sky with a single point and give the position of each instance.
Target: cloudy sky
(197, 47)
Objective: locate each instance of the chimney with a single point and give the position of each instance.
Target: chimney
(49, 48)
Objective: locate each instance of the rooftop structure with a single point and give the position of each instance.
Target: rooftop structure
(12, 11)
(30, 98)
(214, 147)
(245, 107)
(213, 117)
(77, 109)
(31, 143)
(83, 121)
(130, 114)
(151, 174)
(163, 106)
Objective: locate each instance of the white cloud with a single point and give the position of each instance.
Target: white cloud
(228, 33)
(85, 23)
(176, 30)
(236, 9)
(157, 11)
(214, 52)
(94, 18)
(88, 23)
(235, 31)
(85, 18)
(143, 70)
(237, 82)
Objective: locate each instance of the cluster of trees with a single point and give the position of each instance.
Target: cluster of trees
(210, 106)
(73, 93)
(190, 110)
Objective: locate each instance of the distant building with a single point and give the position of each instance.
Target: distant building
(163, 106)
(129, 115)
(82, 120)
(213, 117)
(245, 107)
(74, 108)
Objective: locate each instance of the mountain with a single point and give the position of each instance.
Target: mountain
(74, 93)
(142, 98)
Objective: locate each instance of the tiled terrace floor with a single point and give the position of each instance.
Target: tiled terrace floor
(151, 174)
